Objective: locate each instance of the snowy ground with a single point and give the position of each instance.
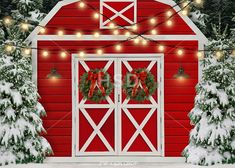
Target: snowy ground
(152, 165)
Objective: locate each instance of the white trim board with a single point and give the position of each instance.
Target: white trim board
(115, 38)
(138, 159)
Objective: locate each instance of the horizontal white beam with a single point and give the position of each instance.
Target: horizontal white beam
(115, 38)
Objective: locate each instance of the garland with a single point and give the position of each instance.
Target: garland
(95, 85)
(133, 82)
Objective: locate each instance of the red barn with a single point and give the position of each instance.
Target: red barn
(117, 36)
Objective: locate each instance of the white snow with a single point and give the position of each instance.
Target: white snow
(116, 165)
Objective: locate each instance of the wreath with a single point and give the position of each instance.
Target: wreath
(139, 84)
(95, 85)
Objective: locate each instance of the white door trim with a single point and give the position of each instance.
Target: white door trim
(75, 135)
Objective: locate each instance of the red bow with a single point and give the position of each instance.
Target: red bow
(139, 78)
(95, 78)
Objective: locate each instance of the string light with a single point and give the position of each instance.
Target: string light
(169, 13)
(144, 42)
(9, 48)
(200, 55)
(26, 51)
(219, 54)
(45, 53)
(116, 32)
(127, 34)
(81, 4)
(161, 48)
(63, 54)
(134, 27)
(42, 30)
(96, 16)
(137, 40)
(25, 26)
(111, 25)
(198, 1)
(96, 34)
(7, 21)
(81, 54)
(99, 52)
(152, 21)
(118, 47)
(180, 52)
(169, 23)
(153, 32)
(185, 12)
(79, 34)
(60, 32)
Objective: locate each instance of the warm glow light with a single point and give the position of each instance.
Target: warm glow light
(9, 48)
(26, 51)
(111, 25)
(161, 47)
(169, 23)
(81, 54)
(118, 47)
(115, 32)
(180, 52)
(96, 16)
(185, 12)
(219, 54)
(7, 21)
(144, 42)
(127, 34)
(134, 27)
(63, 54)
(81, 4)
(198, 1)
(153, 21)
(99, 52)
(79, 34)
(60, 32)
(200, 55)
(25, 26)
(153, 32)
(169, 13)
(45, 53)
(96, 34)
(42, 30)
(137, 40)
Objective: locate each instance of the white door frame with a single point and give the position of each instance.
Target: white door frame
(160, 61)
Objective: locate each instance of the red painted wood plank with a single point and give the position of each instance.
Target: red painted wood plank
(171, 123)
(56, 99)
(177, 131)
(58, 107)
(55, 91)
(59, 131)
(57, 124)
(176, 140)
(58, 115)
(182, 115)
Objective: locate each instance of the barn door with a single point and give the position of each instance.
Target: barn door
(117, 126)
(96, 122)
(139, 127)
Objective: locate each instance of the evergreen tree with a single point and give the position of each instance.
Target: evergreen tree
(212, 140)
(20, 111)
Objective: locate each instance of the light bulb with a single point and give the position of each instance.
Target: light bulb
(180, 52)
(161, 47)
(137, 40)
(25, 26)
(111, 25)
(144, 42)
(81, 4)
(96, 34)
(118, 47)
(42, 30)
(169, 23)
(27, 51)
(9, 48)
(81, 54)
(219, 54)
(96, 16)
(45, 53)
(198, 1)
(7, 21)
(153, 32)
(153, 21)
(134, 27)
(115, 32)
(185, 12)
(200, 55)
(79, 34)
(169, 13)
(127, 34)
(60, 33)
(99, 52)
(63, 54)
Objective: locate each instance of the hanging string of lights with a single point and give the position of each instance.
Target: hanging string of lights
(131, 34)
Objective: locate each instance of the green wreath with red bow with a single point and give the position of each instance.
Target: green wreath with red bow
(139, 84)
(95, 85)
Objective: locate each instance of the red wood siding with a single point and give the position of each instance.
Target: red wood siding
(57, 95)
(71, 18)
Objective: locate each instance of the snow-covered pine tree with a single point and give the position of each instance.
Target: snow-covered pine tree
(212, 140)
(20, 111)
